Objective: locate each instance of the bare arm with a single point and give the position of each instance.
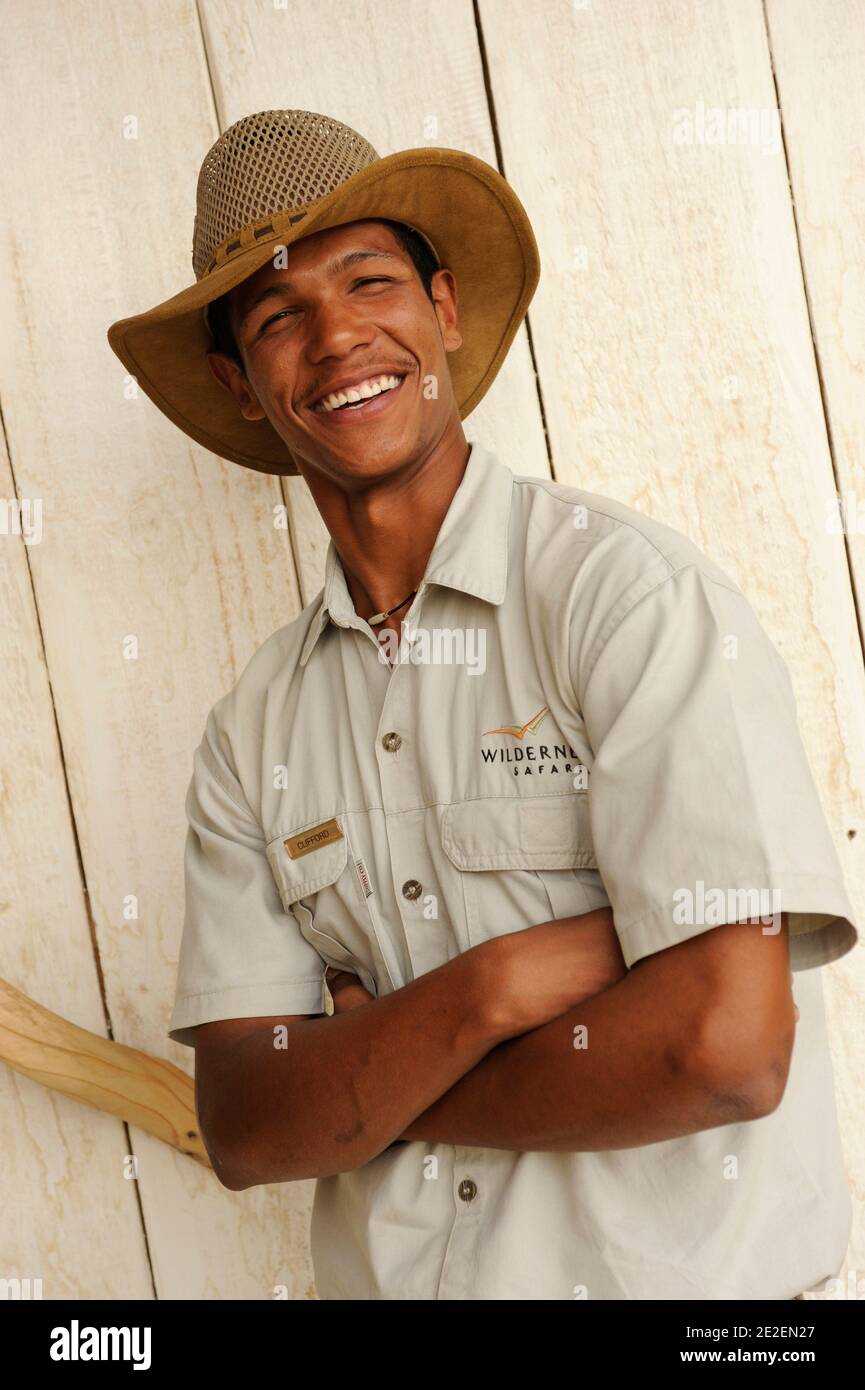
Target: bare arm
(695, 1036)
(281, 1099)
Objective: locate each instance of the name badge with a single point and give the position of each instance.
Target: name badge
(314, 838)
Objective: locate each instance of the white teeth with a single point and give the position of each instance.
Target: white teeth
(364, 391)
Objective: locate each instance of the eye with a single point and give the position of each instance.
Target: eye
(368, 280)
(375, 280)
(273, 318)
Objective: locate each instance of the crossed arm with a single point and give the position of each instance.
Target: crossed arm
(541, 1040)
(694, 1036)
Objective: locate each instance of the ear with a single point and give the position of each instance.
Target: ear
(443, 287)
(232, 379)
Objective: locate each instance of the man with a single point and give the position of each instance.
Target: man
(525, 778)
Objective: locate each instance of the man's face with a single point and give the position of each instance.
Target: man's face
(342, 306)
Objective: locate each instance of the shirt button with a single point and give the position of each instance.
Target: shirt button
(391, 742)
(467, 1190)
(411, 888)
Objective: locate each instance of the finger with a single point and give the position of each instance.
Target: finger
(350, 998)
(337, 978)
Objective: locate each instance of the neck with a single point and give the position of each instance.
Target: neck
(385, 530)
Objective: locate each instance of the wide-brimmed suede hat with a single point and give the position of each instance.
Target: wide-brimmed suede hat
(277, 176)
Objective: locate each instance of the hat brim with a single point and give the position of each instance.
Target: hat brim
(467, 210)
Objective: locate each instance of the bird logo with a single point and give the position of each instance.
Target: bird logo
(520, 731)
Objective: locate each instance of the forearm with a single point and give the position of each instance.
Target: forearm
(342, 1089)
(638, 1077)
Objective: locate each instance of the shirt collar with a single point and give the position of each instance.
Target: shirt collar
(470, 552)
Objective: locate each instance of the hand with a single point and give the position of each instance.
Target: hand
(346, 990)
(546, 969)
(603, 965)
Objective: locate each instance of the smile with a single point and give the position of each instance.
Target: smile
(361, 409)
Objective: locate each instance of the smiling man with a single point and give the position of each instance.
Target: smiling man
(345, 353)
(559, 899)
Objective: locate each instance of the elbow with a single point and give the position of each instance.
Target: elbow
(769, 1083)
(251, 1164)
(231, 1169)
(239, 1171)
(744, 1072)
(235, 1179)
(225, 1134)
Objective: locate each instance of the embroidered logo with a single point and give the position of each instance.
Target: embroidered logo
(520, 731)
(527, 758)
(318, 835)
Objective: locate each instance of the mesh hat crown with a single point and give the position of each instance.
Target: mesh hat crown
(276, 176)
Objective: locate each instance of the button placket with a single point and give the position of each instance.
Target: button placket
(412, 871)
(397, 768)
(469, 1184)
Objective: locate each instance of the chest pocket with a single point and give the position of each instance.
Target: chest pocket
(323, 891)
(524, 860)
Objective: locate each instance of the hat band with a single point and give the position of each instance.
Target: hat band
(250, 235)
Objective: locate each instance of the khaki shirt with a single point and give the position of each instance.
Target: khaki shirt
(588, 713)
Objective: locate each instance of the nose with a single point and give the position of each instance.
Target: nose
(335, 328)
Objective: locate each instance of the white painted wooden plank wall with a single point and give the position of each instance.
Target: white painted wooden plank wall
(695, 328)
(819, 60)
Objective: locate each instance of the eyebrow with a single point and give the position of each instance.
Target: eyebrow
(284, 289)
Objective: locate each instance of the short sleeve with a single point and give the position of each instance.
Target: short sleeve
(702, 804)
(241, 954)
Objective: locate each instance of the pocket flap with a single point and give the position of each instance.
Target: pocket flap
(520, 832)
(309, 858)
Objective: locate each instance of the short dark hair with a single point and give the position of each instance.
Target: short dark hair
(222, 338)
